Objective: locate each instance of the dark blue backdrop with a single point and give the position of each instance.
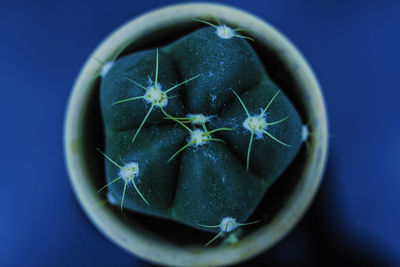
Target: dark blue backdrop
(353, 47)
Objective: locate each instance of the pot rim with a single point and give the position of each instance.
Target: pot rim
(151, 248)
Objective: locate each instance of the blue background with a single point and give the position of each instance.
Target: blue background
(353, 47)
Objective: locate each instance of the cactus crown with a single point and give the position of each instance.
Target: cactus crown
(200, 128)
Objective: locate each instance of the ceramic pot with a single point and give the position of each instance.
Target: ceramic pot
(169, 243)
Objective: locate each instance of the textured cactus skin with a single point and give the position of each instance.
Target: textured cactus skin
(203, 184)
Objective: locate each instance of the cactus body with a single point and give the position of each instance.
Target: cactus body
(186, 171)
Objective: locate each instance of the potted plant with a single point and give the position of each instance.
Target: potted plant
(164, 241)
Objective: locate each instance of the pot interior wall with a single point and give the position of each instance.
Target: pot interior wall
(172, 232)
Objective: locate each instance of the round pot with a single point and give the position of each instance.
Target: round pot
(166, 242)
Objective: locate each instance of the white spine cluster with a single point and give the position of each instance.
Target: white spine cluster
(129, 171)
(224, 32)
(304, 133)
(228, 224)
(198, 137)
(256, 125)
(106, 68)
(198, 119)
(156, 96)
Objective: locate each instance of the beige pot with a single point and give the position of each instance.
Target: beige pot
(162, 242)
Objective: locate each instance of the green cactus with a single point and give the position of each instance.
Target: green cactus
(196, 131)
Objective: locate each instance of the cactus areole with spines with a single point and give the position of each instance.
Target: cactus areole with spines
(196, 131)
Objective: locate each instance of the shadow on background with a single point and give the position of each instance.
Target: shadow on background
(320, 239)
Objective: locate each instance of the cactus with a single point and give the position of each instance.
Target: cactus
(196, 131)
